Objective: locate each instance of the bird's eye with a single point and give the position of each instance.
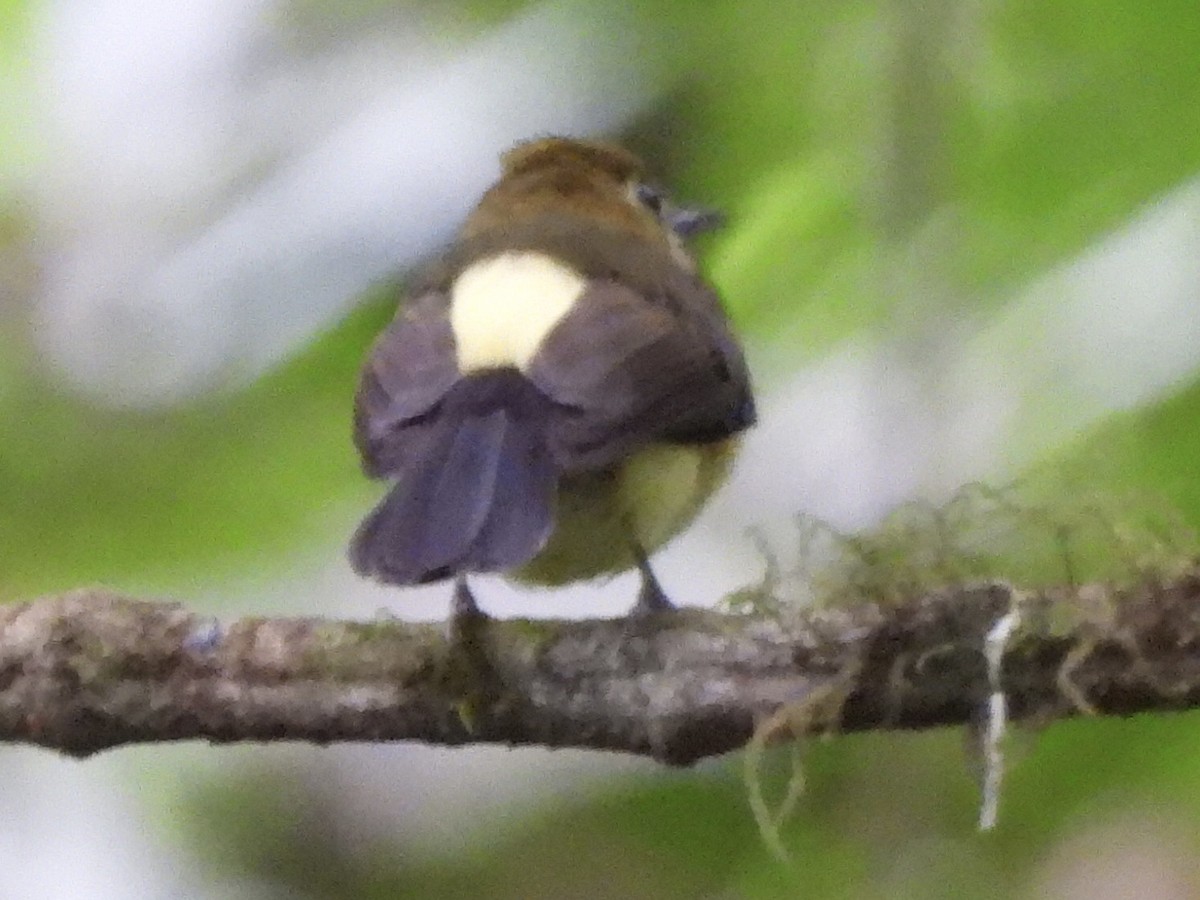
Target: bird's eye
(650, 197)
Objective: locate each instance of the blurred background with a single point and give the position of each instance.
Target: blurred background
(964, 243)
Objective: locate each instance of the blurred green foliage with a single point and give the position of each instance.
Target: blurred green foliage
(1011, 135)
(675, 836)
(17, 145)
(161, 500)
(1040, 129)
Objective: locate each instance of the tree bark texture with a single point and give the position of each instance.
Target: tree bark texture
(91, 670)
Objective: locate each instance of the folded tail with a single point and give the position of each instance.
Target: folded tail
(479, 498)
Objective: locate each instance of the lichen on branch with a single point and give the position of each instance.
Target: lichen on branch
(92, 669)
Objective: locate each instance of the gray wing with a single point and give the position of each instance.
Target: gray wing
(626, 370)
(474, 479)
(411, 368)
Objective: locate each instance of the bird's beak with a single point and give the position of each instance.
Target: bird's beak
(687, 222)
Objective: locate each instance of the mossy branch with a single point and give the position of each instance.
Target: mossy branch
(91, 670)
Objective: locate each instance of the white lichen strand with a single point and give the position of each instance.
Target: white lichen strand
(996, 721)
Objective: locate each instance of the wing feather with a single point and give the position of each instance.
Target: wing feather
(411, 368)
(626, 371)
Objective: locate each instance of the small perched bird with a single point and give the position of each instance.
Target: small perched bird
(560, 394)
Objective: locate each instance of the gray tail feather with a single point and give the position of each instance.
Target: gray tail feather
(481, 500)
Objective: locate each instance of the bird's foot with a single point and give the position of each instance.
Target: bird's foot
(471, 663)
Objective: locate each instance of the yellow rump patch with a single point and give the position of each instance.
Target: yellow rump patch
(502, 308)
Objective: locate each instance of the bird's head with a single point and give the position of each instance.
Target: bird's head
(586, 179)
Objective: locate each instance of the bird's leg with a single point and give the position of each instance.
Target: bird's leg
(464, 611)
(651, 597)
(467, 628)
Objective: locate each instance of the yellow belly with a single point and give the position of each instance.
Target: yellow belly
(649, 499)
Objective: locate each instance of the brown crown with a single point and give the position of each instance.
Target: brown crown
(553, 152)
